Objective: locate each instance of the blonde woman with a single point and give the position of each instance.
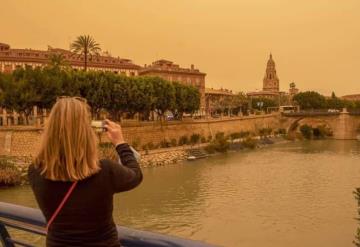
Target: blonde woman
(73, 188)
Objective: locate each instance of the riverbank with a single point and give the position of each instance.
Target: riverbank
(167, 156)
(13, 171)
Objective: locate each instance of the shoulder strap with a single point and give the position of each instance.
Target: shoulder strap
(68, 193)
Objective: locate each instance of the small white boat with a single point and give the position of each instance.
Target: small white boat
(191, 157)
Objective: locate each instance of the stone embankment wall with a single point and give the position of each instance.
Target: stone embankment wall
(24, 141)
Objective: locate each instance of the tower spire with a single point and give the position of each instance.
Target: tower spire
(271, 80)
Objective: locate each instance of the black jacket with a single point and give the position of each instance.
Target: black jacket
(86, 218)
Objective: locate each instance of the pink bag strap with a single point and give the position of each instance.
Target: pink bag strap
(61, 205)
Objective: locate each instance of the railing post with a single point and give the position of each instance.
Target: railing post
(4, 235)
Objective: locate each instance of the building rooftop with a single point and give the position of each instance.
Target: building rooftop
(218, 91)
(167, 66)
(43, 56)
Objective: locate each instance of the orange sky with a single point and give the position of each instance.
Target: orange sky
(315, 43)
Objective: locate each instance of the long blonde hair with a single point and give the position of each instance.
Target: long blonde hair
(68, 151)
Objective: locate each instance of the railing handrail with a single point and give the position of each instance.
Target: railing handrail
(310, 113)
(32, 220)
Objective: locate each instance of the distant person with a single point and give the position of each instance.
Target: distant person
(67, 171)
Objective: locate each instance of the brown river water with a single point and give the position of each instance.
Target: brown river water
(285, 195)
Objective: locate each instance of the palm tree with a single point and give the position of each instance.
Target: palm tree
(85, 45)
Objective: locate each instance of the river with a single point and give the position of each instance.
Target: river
(286, 195)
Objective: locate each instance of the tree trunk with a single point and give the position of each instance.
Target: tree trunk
(85, 62)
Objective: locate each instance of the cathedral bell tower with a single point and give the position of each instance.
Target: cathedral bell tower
(271, 81)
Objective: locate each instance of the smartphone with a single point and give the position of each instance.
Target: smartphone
(98, 125)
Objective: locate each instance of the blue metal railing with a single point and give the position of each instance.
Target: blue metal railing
(31, 220)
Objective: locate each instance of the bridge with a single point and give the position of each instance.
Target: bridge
(344, 125)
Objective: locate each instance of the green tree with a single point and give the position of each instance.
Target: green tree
(187, 100)
(57, 60)
(96, 89)
(164, 94)
(334, 102)
(146, 98)
(48, 83)
(240, 103)
(192, 99)
(20, 94)
(119, 97)
(310, 100)
(87, 46)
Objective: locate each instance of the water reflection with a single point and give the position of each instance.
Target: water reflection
(295, 194)
(167, 199)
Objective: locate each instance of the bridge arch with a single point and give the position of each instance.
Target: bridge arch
(314, 122)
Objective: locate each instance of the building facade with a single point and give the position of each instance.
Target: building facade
(11, 59)
(351, 97)
(172, 72)
(215, 97)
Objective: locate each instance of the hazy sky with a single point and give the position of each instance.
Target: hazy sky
(315, 43)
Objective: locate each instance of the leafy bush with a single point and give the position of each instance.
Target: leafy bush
(150, 146)
(235, 135)
(281, 131)
(265, 131)
(136, 143)
(250, 143)
(165, 144)
(306, 131)
(183, 140)
(219, 135)
(9, 175)
(194, 138)
(203, 139)
(219, 144)
(173, 142)
(244, 134)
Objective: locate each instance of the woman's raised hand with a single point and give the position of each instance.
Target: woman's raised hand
(114, 132)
